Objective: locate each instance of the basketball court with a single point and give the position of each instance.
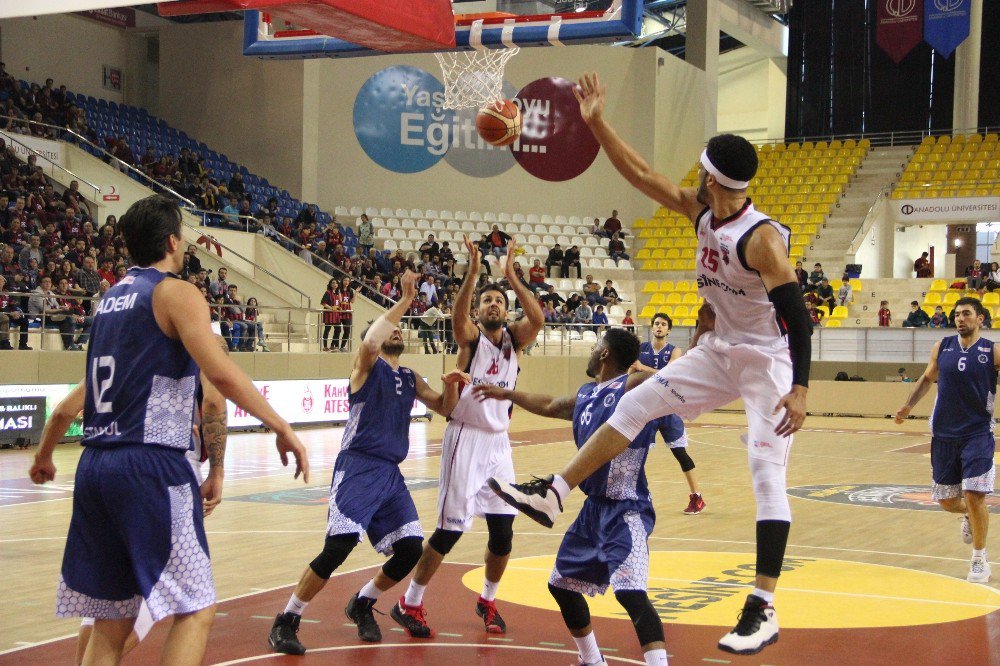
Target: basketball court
(874, 572)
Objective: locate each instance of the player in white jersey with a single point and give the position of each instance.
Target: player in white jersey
(476, 444)
(757, 349)
(210, 435)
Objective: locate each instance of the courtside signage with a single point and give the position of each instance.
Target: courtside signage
(399, 123)
(960, 209)
(883, 496)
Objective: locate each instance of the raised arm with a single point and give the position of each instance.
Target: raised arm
(380, 331)
(443, 402)
(922, 385)
(536, 403)
(55, 427)
(464, 328)
(590, 92)
(523, 331)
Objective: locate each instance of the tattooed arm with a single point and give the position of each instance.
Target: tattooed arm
(213, 434)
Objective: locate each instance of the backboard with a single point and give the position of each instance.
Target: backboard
(478, 24)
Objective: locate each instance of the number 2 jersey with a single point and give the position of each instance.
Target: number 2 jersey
(378, 424)
(141, 385)
(624, 476)
(967, 384)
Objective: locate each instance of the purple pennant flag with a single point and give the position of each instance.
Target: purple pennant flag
(899, 26)
(946, 24)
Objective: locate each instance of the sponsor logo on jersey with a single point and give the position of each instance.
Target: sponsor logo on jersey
(661, 380)
(677, 395)
(983, 349)
(609, 400)
(706, 281)
(476, 381)
(90, 432)
(983, 358)
(117, 304)
(617, 385)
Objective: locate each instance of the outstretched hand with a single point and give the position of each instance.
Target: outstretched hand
(409, 284)
(456, 376)
(590, 93)
(473, 251)
(508, 267)
(484, 392)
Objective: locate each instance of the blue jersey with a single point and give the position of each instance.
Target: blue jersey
(141, 385)
(623, 478)
(655, 359)
(967, 381)
(379, 421)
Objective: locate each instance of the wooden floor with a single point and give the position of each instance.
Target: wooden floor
(859, 498)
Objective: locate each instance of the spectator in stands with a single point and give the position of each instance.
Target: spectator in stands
(572, 259)
(447, 254)
(43, 305)
(551, 297)
(74, 308)
(554, 259)
(845, 295)
(33, 250)
(600, 320)
(993, 278)
(193, 262)
(801, 274)
(939, 319)
(903, 377)
(627, 322)
(815, 314)
(922, 266)
(255, 328)
(428, 324)
(330, 303)
(236, 184)
(917, 317)
(429, 289)
(825, 294)
(231, 213)
(219, 286)
(616, 248)
(574, 301)
(976, 275)
(550, 313)
(583, 316)
(347, 293)
(11, 314)
(610, 294)
(884, 314)
(498, 241)
(430, 247)
(816, 277)
(107, 271)
(592, 292)
(306, 216)
(234, 315)
(536, 276)
(611, 226)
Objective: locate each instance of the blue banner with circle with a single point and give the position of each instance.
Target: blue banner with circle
(946, 24)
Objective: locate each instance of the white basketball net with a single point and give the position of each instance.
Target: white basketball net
(474, 79)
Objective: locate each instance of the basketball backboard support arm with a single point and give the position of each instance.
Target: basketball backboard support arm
(621, 21)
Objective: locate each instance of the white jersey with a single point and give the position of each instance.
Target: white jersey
(494, 365)
(743, 312)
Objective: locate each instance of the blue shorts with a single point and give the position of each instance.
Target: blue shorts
(671, 429)
(136, 533)
(606, 545)
(369, 496)
(965, 464)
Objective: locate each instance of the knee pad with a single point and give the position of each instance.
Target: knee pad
(335, 551)
(501, 530)
(444, 540)
(644, 617)
(405, 554)
(632, 413)
(769, 490)
(572, 605)
(683, 458)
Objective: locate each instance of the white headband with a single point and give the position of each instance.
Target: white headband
(721, 177)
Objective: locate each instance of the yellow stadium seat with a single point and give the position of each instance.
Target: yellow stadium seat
(650, 265)
(644, 253)
(638, 223)
(684, 285)
(824, 309)
(689, 322)
(839, 312)
(667, 286)
(992, 298)
(939, 285)
(658, 299)
(650, 287)
(855, 284)
(681, 311)
(647, 312)
(658, 254)
(690, 298)
(951, 298)
(673, 299)
(665, 265)
(933, 298)
(831, 323)
(673, 253)
(929, 309)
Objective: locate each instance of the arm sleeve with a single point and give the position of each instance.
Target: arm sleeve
(788, 303)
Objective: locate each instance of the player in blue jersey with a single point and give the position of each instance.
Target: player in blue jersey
(368, 494)
(962, 446)
(136, 532)
(653, 356)
(606, 544)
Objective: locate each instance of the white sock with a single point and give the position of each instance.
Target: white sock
(764, 594)
(979, 553)
(587, 646)
(490, 589)
(414, 594)
(369, 591)
(561, 487)
(296, 605)
(655, 657)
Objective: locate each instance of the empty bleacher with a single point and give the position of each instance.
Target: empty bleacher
(952, 166)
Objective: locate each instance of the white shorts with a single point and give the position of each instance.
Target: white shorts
(469, 457)
(712, 375)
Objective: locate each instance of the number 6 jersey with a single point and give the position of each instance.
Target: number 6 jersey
(141, 385)
(967, 384)
(624, 477)
(743, 312)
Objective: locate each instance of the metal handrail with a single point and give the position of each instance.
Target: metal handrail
(867, 222)
(904, 138)
(10, 136)
(128, 166)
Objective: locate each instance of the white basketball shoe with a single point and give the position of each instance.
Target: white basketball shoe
(756, 628)
(536, 499)
(979, 570)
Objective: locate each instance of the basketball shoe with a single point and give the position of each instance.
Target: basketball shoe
(536, 499)
(284, 636)
(756, 628)
(966, 530)
(412, 618)
(696, 504)
(491, 616)
(359, 611)
(979, 570)
(580, 662)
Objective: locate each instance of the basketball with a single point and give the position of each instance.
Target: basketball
(499, 123)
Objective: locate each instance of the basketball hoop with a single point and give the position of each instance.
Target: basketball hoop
(474, 79)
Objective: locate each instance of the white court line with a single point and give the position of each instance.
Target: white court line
(809, 591)
(390, 646)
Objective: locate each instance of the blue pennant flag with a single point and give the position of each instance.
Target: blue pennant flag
(946, 24)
